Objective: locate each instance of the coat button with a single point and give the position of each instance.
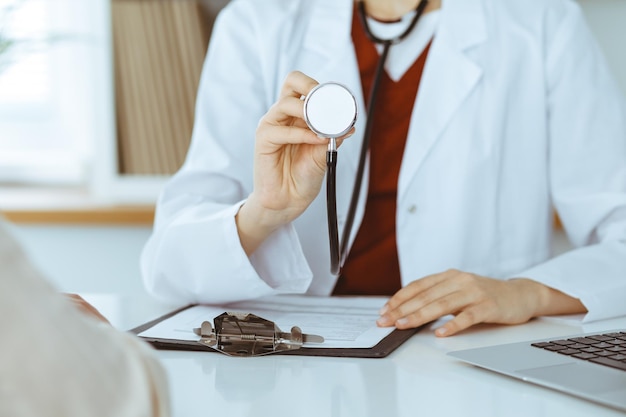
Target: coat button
(412, 209)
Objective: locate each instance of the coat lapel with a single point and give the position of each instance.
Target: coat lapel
(449, 77)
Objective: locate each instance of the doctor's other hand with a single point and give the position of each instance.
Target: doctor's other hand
(473, 299)
(289, 165)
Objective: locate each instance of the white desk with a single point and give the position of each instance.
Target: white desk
(418, 379)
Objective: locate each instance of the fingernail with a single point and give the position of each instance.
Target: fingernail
(442, 331)
(383, 310)
(402, 322)
(383, 321)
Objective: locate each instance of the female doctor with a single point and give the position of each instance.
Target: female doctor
(511, 115)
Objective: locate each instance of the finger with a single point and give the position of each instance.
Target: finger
(293, 135)
(93, 312)
(439, 295)
(346, 136)
(85, 307)
(297, 84)
(286, 135)
(74, 297)
(443, 306)
(466, 318)
(290, 111)
(414, 288)
(287, 109)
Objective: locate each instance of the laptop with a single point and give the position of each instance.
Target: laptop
(590, 366)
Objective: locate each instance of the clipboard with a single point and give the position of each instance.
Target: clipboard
(387, 345)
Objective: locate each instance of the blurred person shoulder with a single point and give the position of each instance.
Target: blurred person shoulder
(58, 361)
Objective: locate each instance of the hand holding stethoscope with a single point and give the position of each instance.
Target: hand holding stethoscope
(289, 165)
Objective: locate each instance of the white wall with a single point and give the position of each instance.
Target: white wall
(93, 259)
(87, 259)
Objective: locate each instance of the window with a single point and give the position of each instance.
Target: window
(55, 93)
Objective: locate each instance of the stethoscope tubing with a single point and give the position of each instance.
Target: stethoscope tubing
(331, 209)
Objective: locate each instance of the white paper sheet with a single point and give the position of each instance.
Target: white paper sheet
(344, 322)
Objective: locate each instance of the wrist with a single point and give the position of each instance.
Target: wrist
(546, 301)
(256, 223)
(539, 296)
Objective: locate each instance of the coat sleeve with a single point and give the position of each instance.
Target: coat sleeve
(194, 253)
(587, 157)
(56, 361)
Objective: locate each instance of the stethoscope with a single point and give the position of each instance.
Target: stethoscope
(330, 111)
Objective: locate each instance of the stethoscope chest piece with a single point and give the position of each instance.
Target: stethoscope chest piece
(330, 110)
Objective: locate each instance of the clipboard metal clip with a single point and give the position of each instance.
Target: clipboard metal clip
(246, 334)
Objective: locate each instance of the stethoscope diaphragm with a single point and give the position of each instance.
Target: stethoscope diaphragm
(330, 110)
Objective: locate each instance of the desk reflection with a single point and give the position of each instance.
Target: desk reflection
(282, 385)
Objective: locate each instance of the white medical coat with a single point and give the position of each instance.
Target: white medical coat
(517, 116)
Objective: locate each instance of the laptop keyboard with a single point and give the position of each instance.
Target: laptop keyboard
(607, 349)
